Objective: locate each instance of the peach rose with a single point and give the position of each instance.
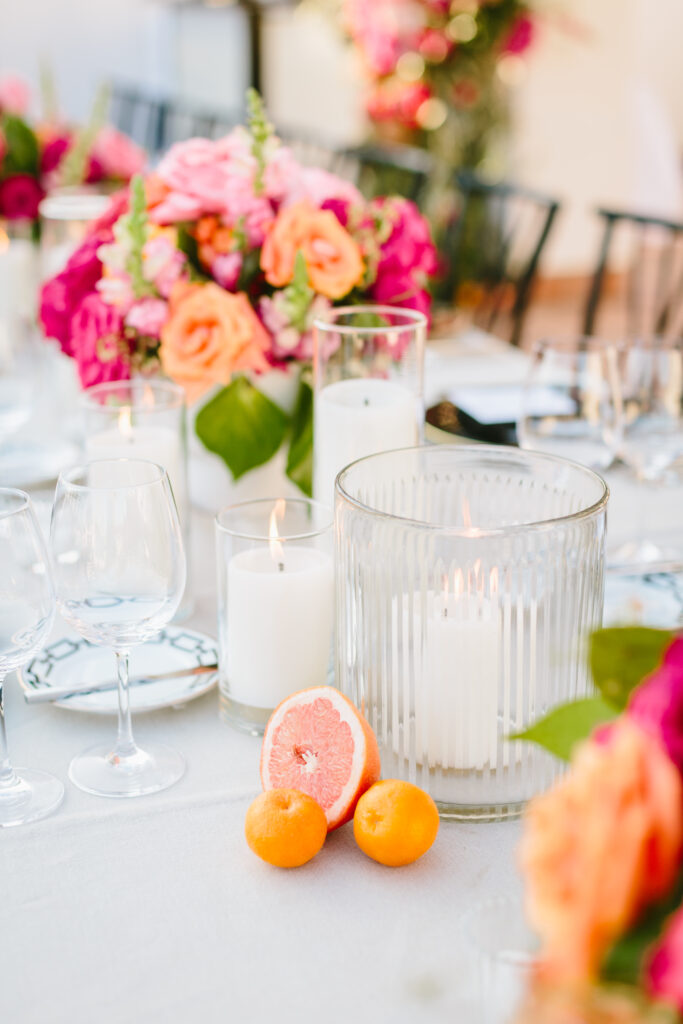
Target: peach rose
(599, 847)
(333, 259)
(210, 334)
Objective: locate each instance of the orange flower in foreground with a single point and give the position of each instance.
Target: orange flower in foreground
(333, 259)
(210, 334)
(600, 846)
(156, 190)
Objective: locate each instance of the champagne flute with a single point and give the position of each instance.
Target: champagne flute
(120, 574)
(27, 603)
(648, 400)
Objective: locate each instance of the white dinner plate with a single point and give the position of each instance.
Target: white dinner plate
(73, 661)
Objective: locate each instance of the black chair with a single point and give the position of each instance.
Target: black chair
(491, 251)
(392, 170)
(652, 296)
(138, 115)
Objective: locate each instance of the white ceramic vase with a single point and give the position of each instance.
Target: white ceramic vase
(212, 486)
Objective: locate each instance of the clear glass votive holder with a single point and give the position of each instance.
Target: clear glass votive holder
(65, 215)
(275, 605)
(503, 949)
(368, 374)
(142, 419)
(468, 582)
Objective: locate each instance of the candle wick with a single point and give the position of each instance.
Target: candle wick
(280, 566)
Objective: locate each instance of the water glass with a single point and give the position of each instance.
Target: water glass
(120, 575)
(27, 604)
(504, 949)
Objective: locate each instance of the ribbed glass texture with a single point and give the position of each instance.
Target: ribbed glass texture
(468, 582)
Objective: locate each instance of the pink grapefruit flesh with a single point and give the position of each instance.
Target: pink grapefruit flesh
(317, 742)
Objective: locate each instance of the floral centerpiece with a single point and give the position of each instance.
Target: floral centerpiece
(37, 157)
(438, 71)
(212, 271)
(602, 852)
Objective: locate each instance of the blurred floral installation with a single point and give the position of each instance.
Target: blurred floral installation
(439, 71)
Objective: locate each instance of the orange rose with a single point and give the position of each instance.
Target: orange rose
(333, 259)
(210, 334)
(599, 847)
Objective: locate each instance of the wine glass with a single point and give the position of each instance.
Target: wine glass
(27, 604)
(647, 398)
(566, 406)
(119, 574)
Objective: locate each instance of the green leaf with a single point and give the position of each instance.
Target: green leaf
(621, 657)
(261, 130)
(22, 156)
(624, 962)
(242, 426)
(136, 227)
(567, 725)
(300, 457)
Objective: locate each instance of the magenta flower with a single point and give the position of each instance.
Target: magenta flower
(53, 152)
(20, 197)
(657, 704)
(97, 342)
(664, 970)
(521, 35)
(118, 156)
(148, 316)
(407, 258)
(62, 294)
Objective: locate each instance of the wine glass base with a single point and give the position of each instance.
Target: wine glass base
(35, 795)
(99, 771)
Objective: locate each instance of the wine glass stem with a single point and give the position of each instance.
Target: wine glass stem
(125, 744)
(7, 776)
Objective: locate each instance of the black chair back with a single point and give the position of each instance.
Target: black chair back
(492, 248)
(651, 298)
(392, 170)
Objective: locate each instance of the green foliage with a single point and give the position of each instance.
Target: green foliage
(261, 131)
(621, 657)
(136, 228)
(74, 167)
(569, 724)
(300, 457)
(242, 426)
(298, 294)
(187, 244)
(22, 156)
(624, 962)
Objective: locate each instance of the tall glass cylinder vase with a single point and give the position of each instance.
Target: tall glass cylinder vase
(140, 419)
(368, 370)
(65, 216)
(468, 582)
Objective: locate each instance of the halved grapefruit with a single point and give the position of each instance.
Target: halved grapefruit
(316, 741)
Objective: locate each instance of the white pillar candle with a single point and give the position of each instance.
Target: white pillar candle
(161, 445)
(355, 418)
(279, 621)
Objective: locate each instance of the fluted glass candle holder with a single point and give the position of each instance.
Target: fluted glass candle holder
(468, 581)
(275, 605)
(368, 370)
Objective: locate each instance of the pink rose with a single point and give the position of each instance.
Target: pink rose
(15, 95)
(657, 704)
(61, 295)
(148, 316)
(164, 264)
(199, 174)
(98, 345)
(176, 207)
(318, 186)
(20, 196)
(664, 970)
(119, 157)
(226, 269)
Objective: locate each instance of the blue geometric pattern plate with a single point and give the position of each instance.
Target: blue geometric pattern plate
(73, 661)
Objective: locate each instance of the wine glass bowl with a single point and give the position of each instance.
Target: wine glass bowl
(567, 406)
(120, 576)
(27, 603)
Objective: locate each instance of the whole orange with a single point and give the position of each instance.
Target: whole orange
(395, 822)
(285, 827)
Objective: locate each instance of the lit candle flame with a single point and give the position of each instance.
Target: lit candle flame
(276, 550)
(459, 583)
(493, 580)
(4, 240)
(125, 423)
(148, 397)
(466, 517)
